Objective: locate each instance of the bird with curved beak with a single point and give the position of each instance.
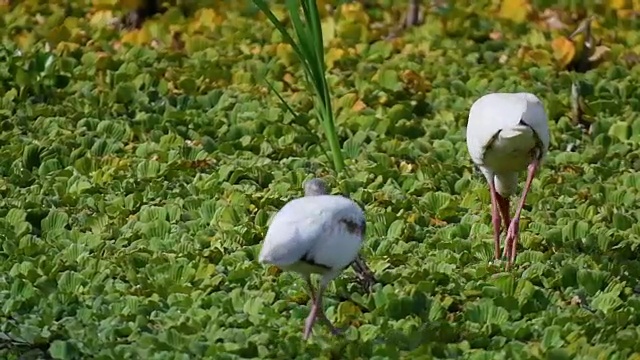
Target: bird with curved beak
(315, 234)
(314, 187)
(506, 134)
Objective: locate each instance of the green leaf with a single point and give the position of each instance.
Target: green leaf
(62, 350)
(620, 130)
(485, 312)
(31, 156)
(622, 221)
(15, 217)
(390, 80)
(591, 280)
(55, 220)
(396, 229)
(552, 338)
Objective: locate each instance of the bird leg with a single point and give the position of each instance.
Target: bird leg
(503, 206)
(495, 218)
(514, 227)
(363, 273)
(316, 310)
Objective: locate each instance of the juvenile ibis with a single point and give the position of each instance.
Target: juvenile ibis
(315, 234)
(506, 134)
(365, 276)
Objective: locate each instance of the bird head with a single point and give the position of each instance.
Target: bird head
(315, 187)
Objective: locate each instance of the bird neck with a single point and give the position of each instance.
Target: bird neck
(506, 184)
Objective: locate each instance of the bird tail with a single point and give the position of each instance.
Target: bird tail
(517, 131)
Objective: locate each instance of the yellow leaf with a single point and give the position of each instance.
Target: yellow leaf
(333, 55)
(273, 270)
(205, 18)
(285, 52)
(101, 18)
(620, 4)
(129, 4)
(406, 167)
(347, 311)
(514, 10)
(354, 12)
(64, 47)
(563, 50)
(412, 218)
(328, 30)
(323, 7)
(58, 34)
(24, 40)
(538, 56)
(136, 37)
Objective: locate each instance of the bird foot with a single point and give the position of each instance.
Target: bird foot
(308, 329)
(364, 275)
(366, 280)
(510, 242)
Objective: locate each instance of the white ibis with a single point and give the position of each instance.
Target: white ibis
(315, 187)
(315, 234)
(506, 134)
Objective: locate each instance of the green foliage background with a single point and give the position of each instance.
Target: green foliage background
(139, 169)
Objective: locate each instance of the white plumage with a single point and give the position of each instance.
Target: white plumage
(320, 234)
(506, 134)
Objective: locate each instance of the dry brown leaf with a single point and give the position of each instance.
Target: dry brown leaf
(289, 79)
(552, 19)
(437, 222)
(576, 300)
(414, 81)
(599, 52)
(359, 106)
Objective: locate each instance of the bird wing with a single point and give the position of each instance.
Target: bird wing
(487, 116)
(536, 117)
(498, 111)
(294, 231)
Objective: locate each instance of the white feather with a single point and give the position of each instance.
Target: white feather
(310, 228)
(499, 143)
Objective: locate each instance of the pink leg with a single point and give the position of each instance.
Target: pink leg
(503, 205)
(311, 319)
(514, 228)
(495, 219)
(316, 311)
